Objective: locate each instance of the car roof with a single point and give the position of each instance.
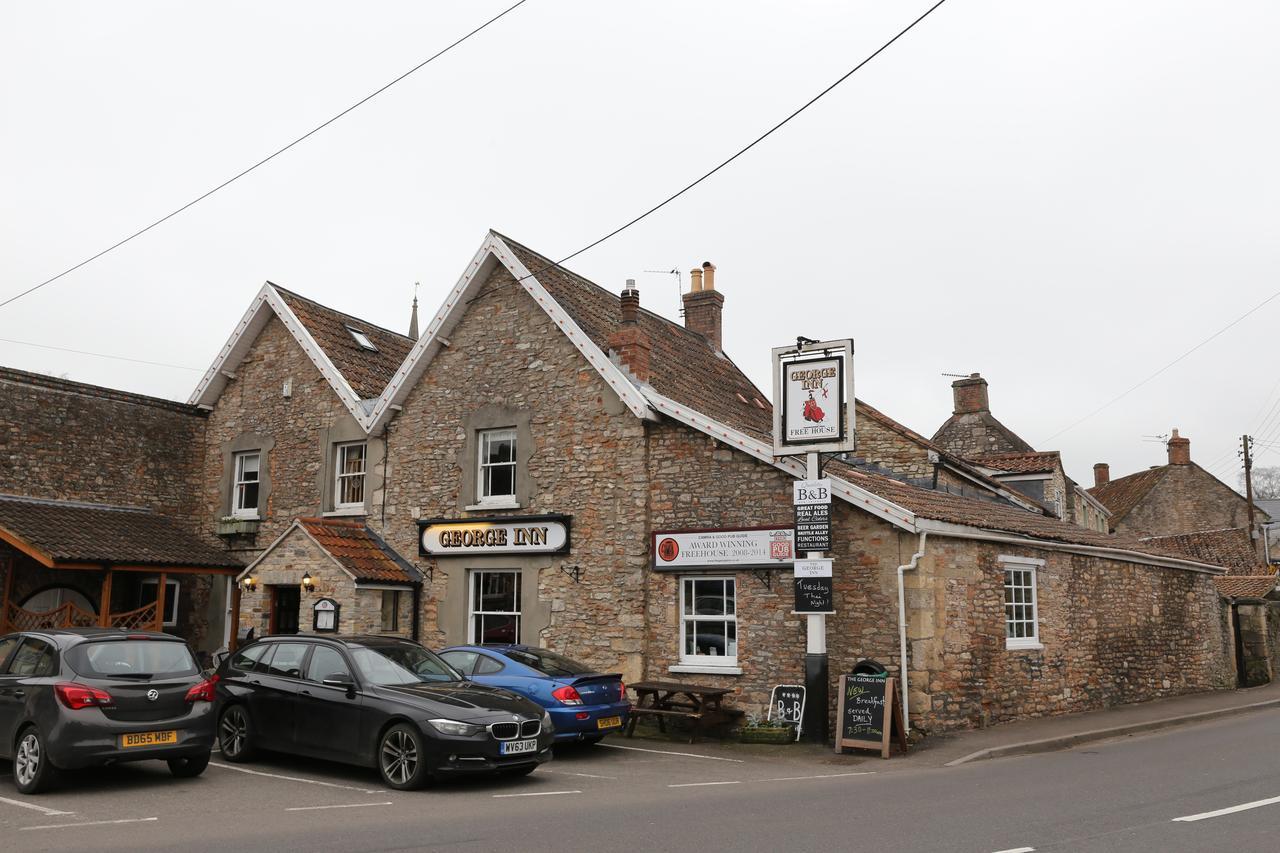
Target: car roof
(341, 639)
(64, 637)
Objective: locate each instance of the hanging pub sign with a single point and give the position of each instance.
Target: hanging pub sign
(325, 615)
(813, 586)
(525, 534)
(751, 548)
(813, 398)
(812, 500)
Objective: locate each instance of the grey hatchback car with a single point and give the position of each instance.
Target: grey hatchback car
(83, 697)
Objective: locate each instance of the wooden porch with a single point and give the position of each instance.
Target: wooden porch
(148, 617)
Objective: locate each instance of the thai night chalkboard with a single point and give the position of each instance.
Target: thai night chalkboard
(866, 715)
(813, 595)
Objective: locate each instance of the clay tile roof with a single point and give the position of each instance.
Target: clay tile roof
(71, 532)
(367, 372)
(360, 551)
(1229, 547)
(1035, 462)
(1124, 494)
(1245, 586)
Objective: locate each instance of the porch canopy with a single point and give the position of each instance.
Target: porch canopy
(47, 537)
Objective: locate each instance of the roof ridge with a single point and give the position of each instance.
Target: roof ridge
(1197, 532)
(330, 308)
(77, 504)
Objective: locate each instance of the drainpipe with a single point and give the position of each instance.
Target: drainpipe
(902, 627)
(416, 621)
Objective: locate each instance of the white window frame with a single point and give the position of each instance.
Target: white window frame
(171, 590)
(237, 481)
(1032, 566)
(339, 453)
(472, 603)
(707, 662)
(392, 595)
(482, 438)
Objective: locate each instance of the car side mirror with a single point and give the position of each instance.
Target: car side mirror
(340, 679)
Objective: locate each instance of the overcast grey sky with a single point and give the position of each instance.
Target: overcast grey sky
(1063, 196)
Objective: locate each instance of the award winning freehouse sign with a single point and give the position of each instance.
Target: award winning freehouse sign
(531, 534)
(813, 398)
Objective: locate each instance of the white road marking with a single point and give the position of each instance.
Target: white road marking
(665, 752)
(33, 806)
(584, 775)
(296, 779)
(701, 784)
(534, 794)
(828, 776)
(342, 806)
(1018, 850)
(1243, 807)
(91, 823)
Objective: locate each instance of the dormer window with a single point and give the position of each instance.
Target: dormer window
(362, 339)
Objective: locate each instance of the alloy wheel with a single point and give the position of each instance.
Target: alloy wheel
(399, 757)
(26, 764)
(233, 732)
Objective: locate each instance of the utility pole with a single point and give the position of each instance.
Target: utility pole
(1246, 442)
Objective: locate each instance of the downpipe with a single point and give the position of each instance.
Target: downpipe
(902, 627)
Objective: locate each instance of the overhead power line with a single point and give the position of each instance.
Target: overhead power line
(266, 159)
(102, 355)
(1138, 385)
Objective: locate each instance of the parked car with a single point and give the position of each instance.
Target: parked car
(376, 702)
(80, 697)
(585, 704)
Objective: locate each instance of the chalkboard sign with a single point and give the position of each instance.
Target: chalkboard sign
(813, 595)
(787, 704)
(866, 715)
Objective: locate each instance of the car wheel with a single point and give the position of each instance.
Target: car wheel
(188, 768)
(233, 734)
(32, 770)
(401, 758)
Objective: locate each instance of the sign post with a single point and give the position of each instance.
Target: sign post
(813, 412)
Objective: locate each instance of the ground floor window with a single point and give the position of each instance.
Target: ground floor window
(1021, 613)
(709, 621)
(147, 594)
(391, 610)
(495, 606)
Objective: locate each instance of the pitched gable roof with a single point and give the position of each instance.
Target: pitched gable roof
(955, 430)
(361, 554)
(1034, 462)
(1230, 547)
(366, 371)
(1245, 586)
(1124, 494)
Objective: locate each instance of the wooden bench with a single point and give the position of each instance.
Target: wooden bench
(697, 703)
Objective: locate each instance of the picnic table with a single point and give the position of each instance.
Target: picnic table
(698, 703)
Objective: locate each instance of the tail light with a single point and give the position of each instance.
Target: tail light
(203, 692)
(80, 696)
(622, 690)
(567, 695)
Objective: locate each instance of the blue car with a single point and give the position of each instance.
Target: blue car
(585, 705)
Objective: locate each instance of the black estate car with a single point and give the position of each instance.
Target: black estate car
(374, 701)
(80, 697)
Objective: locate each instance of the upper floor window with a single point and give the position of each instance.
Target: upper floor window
(248, 479)
(497, 476)
(350, 467)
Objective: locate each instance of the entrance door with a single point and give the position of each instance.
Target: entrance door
(285, 601)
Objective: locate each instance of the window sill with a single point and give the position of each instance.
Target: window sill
(345, 510)
(483, 506)
(704, 669)
(1023, 647)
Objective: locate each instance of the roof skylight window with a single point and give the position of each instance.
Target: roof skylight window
(362, 339)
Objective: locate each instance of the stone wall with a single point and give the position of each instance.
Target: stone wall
(1259, 627)
(70, 441)
(880, 445)
(1186, 499)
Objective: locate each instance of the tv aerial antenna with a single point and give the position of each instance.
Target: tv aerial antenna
(675, 271)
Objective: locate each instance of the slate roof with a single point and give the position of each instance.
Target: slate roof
(1229, 547)
(1035, 462)
(360, 551)
(367, 372)
(72, 532)
(1245, 586)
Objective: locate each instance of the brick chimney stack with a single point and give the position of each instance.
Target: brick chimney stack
(703, 304)
(1179, 450)
(970, 395)
(629, 341)
(1101, 474)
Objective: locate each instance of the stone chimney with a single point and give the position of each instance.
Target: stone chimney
(970, 395)
(1101, 474)
(629, 341)
(1179, 450)
(703, 304)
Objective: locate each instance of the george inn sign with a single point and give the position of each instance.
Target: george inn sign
(526, 534)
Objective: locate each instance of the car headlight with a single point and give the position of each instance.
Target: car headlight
(455, 728)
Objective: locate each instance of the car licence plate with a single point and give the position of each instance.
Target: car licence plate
(514, 747)
(608, 722)
(148, 739)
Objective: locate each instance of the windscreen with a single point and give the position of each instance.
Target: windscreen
(548, 662)
(132, 659)
(401, 663)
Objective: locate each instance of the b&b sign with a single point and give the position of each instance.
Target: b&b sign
(787, 704)
(813, 514)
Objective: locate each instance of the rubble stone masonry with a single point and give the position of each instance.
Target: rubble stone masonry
(1186, 499)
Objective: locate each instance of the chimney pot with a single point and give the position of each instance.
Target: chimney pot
(1101, 474)
(695, 280)
(708, 275)
(970, 395)
(703, 305)
(630, 303)
(1179, 450)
